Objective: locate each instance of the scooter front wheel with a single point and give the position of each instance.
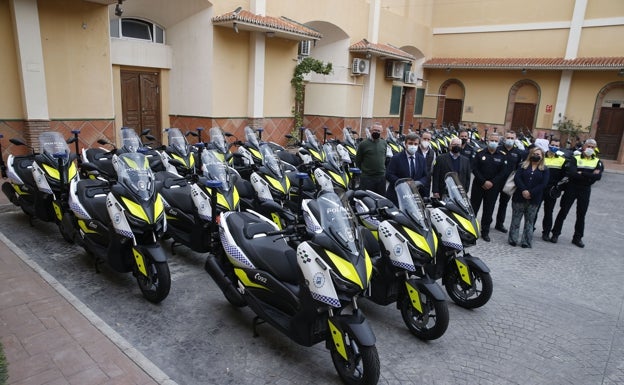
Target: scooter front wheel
(362, 365)
(155, 286)
(429, 324)
(465, 295)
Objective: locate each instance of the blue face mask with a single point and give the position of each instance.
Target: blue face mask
(493, 145)
(553, 149)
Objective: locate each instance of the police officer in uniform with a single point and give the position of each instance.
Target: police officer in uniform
(558, 165)
(583, 173)
(488, 166)
(514, 157)
(466, 147)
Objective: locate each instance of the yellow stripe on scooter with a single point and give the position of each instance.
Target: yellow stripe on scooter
(135, 209)
(346, 268)
(140, 262)
(276, 183)
(466, 224)
(420, 241)
(54, 173)
(414, 296)
(240, 273)
(57, 210)
(464, 272)
(84, 228)
(338, 339)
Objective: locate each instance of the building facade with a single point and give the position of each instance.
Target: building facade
(98, 65)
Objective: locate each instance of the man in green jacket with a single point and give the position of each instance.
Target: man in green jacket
(371, 159)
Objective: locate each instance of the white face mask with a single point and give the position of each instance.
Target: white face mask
(424, 144)
(509, 142)
(589, 151)
(412, 149)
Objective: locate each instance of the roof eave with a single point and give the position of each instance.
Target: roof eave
(251, 27)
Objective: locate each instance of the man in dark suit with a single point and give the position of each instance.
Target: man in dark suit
(449, 162)
(406, 164)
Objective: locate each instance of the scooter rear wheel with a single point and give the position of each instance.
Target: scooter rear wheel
(431, 323)
(155, 287)
(362, 365)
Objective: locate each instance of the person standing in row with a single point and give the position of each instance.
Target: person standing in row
(558, 165)
(449, 162)
(466, 147)
(488, 166)
(583, 174)
(427, 152)
(531, 179)
(514, 157)
(371, 159)
(406, 164)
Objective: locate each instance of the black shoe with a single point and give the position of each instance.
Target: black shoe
(578, 242)
(526, 246)
(554, 238)
(546, 238)
(501, 228)
(512, 243)
(485, 237)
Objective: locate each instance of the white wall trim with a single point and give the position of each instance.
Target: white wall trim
(605, 22)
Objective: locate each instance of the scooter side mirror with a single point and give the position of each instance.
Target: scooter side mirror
(17, 142)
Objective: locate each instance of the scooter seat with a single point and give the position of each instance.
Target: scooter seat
(23, 168)
(179, 197)
(268, 253)
(92, 195)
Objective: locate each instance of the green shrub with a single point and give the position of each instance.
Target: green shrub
(4, 373)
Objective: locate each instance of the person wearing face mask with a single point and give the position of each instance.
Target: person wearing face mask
(406, 164)
(371, 159)
(489, 166)
(531, 179)
(558, 165)
(452, 161)
(584, 171)
(514, 157)
(466, 147)
(425, 150)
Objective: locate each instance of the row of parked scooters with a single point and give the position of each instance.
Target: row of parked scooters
(286, 233)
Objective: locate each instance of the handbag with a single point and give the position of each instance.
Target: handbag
(510, 185)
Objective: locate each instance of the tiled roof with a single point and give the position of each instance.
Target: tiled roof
(383, 50)
(585, 63)
(281, 26)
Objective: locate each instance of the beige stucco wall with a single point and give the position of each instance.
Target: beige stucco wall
(544, 43)
(383, 91)
(584, 92)
(75, 44)
(10, 92)
(604, 8)
(231, 73)
(460, 13)
(279, 95)
(339, 100)
(602, 41)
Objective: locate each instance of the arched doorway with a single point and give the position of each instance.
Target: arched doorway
(608, 122)
(450, 107)
(522, 106)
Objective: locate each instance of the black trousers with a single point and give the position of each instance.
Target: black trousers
(581, 195)
(488, 197)
(502, 208)
(549, 207)
(374, 183)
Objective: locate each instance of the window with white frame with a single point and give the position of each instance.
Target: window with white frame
(132, 28)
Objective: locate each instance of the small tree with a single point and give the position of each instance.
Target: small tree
(570, 130)
(306, 66)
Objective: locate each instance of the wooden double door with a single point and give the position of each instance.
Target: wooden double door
(140, 99)
(610, 131)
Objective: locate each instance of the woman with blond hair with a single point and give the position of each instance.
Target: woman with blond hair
(531, 179)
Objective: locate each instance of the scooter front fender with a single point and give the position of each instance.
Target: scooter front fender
(475, 263)
(427, 286)
(155, 252)
(356, 326)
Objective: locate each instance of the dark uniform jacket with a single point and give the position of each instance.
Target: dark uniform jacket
(586, 166)
(490, 166)
(442, 165)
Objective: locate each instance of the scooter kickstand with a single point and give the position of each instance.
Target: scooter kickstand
(256, 321)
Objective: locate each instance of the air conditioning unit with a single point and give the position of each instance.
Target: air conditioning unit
(394, 69)
(409, 77)
(360, 66)
(304, 47)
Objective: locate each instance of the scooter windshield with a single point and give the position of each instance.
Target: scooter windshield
(311, 139)
(410, 202)
(331, 156)
(456, 192)
(251, 137)
(337, 221)
(215, 169)
(134, 173)
(217, 139)
(348, 137)
(271, 161)
(130, 140)
(177, 141)
(52, 143)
